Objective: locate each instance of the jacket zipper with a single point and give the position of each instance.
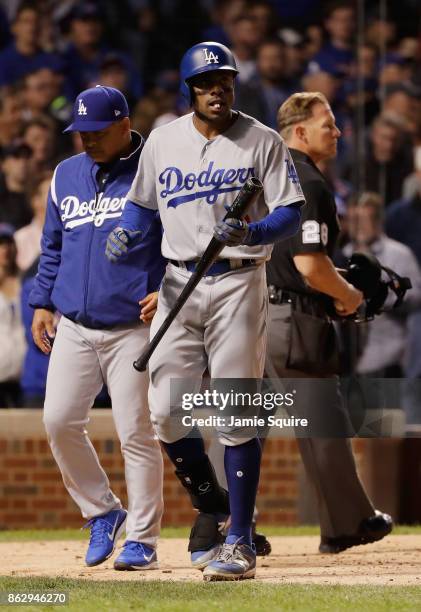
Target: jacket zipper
(88, 254)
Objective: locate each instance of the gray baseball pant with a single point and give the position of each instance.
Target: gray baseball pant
(82, 360)
(222, 326)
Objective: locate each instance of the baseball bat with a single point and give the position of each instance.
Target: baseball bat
(238, 208)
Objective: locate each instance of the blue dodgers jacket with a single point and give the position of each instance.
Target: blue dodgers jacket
(74, 276)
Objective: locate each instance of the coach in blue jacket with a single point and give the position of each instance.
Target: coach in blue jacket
(100, 334)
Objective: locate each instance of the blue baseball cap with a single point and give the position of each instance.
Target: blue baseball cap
(97, 108)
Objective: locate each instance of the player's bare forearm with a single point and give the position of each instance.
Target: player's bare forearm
(319, 272)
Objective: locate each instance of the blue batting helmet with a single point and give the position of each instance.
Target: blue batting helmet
(204, 57)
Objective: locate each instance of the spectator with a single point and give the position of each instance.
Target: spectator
(388, 160)
(313, 41)
(35, 364)
(87, 50)
(407, 47)
(270, 89)
(295, 56)
(366, 64)
(42, 96)
(403, 100)
(394, 69)
(11, 119)
(322, 81)
(337, 54)
(28, 238)
(264, 18)
(166, 92)
(12, 337)
(144, 115)
(381, 33)
(245, 39)
(403, 221)
(24, 54)
(113, 73)
(39, 90)
(223, 14)
(361, 92)
(387, 335)
(39, 135)
(14, 207)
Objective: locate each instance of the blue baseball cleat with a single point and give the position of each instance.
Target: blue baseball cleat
(136, 556)
(105, 531)
(235, 561)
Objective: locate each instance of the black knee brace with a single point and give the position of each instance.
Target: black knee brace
(204, 489)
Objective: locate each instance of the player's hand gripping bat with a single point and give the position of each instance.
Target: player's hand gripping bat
(239, 207)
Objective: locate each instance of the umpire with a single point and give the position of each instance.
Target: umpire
(301, 338)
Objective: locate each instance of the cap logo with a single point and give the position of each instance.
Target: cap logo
(210, 57)
(117, 113)
(82, 110)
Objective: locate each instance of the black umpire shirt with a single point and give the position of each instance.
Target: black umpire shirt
(318, 231)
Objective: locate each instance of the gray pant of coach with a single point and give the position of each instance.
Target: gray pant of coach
(81, 361)
(329, 463)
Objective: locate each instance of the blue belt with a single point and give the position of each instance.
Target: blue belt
(222, 266)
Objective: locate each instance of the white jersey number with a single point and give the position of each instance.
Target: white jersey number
(313, 233)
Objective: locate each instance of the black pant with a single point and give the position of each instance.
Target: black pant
(329, 462)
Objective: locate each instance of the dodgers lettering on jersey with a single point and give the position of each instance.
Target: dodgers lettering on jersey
(217, 181)
(192, 181)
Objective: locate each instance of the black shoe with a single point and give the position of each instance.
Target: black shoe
(262, 544)
(371, 529)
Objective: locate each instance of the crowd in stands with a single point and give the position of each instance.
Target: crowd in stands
(368, 66)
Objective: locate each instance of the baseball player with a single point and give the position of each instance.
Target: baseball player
(99, 333)
(190, 170)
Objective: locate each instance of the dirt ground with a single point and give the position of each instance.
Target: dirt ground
(394, 561)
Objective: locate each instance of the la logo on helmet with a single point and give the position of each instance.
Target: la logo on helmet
(82, 110)
(210, 57)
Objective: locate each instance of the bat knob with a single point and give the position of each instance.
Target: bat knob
(140, 365)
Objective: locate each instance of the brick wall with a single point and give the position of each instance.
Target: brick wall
(32, 493)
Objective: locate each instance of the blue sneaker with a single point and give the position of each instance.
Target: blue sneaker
(136, 556)
(105, 531)
(235, 561)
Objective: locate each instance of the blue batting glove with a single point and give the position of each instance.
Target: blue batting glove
(232, 232)
(118, 243)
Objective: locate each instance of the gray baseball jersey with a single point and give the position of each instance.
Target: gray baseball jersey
(191, 179)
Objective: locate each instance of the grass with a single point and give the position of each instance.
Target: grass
(32, 535)
(91, 596)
